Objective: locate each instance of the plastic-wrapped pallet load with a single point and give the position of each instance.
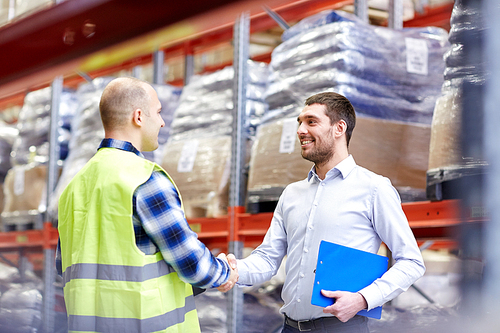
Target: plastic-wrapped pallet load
(395, 149)
(88, 130)
(8, 134)
(391, 77)
(32, 144)
(25, 182)
(198, 153)
(446, 160)
(20, 301)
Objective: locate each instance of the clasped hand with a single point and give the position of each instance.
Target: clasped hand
(346, 305)
(233, 278)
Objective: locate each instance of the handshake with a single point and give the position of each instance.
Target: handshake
(233, 278)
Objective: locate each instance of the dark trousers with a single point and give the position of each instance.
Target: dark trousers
(357, 324)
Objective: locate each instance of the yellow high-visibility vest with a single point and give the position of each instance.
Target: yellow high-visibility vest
(109, 284)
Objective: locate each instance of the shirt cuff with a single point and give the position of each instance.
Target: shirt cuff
(243, 279)
(372, 296)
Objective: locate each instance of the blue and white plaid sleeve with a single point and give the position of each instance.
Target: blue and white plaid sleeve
(159, 209)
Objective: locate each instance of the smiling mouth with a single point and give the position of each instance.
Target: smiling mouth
(305, 142)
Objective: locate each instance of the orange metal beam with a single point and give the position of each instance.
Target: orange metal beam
(438, 16)
(437, 221)
(42, 239)
(12, 101)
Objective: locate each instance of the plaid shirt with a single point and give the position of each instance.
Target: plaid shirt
(160, 225)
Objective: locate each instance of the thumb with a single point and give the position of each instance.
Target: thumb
(330, 294)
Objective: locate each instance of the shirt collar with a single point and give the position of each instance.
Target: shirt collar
(119, 144)
(344, 168)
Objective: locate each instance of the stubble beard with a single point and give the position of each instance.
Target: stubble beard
(319, 155)
(321, 152)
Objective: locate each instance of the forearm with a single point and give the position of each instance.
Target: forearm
(254, 270)
(159, 211)
(195, 264)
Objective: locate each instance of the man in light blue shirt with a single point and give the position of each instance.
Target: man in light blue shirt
(339, 202)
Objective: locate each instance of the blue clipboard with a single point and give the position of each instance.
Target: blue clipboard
(343, 268)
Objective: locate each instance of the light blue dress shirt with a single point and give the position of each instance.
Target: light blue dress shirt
(352, 206)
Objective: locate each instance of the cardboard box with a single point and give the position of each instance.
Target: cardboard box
(397, 150)
(25, 188)
(201, 174)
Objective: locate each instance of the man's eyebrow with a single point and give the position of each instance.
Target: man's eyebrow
(307, 116)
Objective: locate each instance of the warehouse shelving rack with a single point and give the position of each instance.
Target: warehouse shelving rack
(436, 221)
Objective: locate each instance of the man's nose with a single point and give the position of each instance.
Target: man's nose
(301, 129)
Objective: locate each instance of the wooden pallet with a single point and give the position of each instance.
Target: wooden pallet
(447, 183)
(20, 221)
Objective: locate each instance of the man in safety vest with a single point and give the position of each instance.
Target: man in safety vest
(127, 255)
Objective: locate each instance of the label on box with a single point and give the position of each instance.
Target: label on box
(417, 56)
(188, 155)
(19, 181)
(288, 135)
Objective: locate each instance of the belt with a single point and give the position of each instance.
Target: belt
(308, 325)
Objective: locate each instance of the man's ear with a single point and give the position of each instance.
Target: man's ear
(137, 117)
(340, 128)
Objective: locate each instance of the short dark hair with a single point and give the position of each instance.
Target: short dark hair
(338, 108)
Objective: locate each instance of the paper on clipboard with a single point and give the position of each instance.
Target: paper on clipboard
(343, 268)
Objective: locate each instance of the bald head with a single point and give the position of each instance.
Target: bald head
(120, 99)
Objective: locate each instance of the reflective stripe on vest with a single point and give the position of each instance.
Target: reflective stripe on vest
(116, 273)
(130, 325)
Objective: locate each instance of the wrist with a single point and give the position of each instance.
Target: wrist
(363, 301)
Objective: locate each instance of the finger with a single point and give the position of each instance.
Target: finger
(221, 287)
(222, 256)
(329, 293)
(225, 287)
(231, 259)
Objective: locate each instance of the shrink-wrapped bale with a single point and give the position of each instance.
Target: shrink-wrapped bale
(20, 301)
(465, 76)
(206, 103)
(8, 134)
(446, 160)
(25, 196)
(32, 143)
(392, 79)
(444, 149)
(385, 73)
(198, 153)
